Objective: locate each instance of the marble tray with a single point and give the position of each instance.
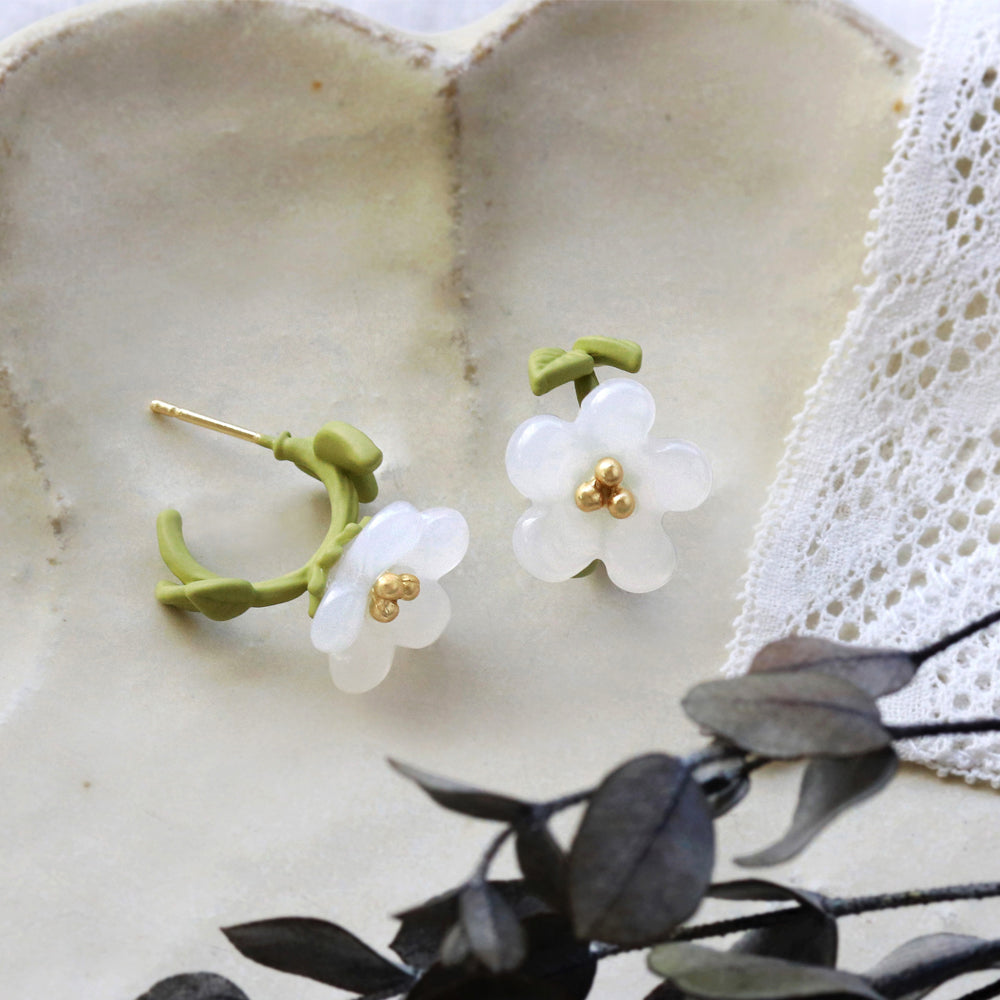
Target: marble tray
(278, 214)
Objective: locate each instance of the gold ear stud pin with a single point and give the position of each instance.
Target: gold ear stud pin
(179, 413)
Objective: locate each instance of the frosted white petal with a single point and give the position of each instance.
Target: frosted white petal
(678, 475)
(442, 546)
(421, 621)
(638, 555)
(544, 458)
(384, 541)
(554, 543)
(339, 616)
(617, 415)
(367, 662)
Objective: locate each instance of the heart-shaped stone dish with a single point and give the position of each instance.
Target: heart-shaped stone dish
(281, 215)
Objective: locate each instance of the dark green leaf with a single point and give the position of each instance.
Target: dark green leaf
(725, 785)
(808, 935)
(557, 957)
(423, 928)
(442, 983)
(725, 975)
(765, 891)
(195, 986)
(924, 963)
(830, 785)
(455, 948)
(543, 863)
(491, 927)
(642, 858)
(785, 715)
(557, 967)
(877, 671)
(464, 798)
(317, 950)
(665, 991)
(549, 367)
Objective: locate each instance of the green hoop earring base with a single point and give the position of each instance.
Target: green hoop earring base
(340, 456)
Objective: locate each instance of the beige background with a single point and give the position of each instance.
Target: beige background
(273, 214)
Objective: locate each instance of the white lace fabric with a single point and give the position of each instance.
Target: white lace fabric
(883, 525)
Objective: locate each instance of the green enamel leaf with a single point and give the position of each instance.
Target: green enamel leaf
(221, 598)
(551, 367)
(365, 485)
(623, 354)
(347, 448)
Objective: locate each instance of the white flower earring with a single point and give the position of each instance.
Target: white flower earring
(384, 591)
(372, 583)
(599, 485)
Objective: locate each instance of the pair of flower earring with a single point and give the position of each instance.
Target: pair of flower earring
(598, 485)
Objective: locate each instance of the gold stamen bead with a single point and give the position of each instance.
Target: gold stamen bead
(621, 504)
(609, 472)
(389, 587)
(382, 610)
(588, 497)
(411, 587)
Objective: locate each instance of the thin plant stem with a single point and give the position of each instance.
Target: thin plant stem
(543, 810)
(983, 993)
(956, 727)
(949, 640)
(835, 906)
(915, 897)
(491, 852)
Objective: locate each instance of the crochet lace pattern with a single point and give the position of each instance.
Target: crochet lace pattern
(883, 525)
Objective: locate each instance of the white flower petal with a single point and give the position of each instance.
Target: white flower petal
(422, 620)
(638, 555)
(339, 616)
(383, 541)
(676, 474)
(442, 546)
(544, 458)
(617, 415)
(553, 543)
(367, 662)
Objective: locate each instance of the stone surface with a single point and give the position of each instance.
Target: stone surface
(280, 216)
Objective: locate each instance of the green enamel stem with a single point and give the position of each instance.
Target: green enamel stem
(343, 511)
(173, 594)
(344, 506)
(175, 553)
(584, 386)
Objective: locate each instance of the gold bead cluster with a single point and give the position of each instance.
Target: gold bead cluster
(386, 593)
(606, 490)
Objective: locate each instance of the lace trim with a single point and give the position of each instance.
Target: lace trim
(883, 525)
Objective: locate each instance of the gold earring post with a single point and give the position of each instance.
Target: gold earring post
(178, 412)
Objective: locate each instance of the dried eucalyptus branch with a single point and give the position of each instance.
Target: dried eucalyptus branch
(641, 859)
